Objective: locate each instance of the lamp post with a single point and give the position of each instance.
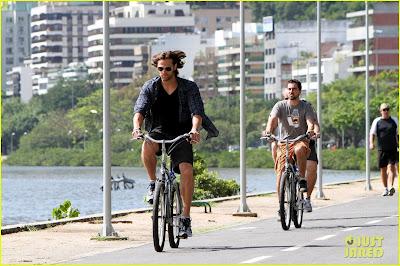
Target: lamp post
(12, 138)
(69, 134)
(376, 60)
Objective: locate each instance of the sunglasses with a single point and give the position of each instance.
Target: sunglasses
(386, 110)
(161, 69)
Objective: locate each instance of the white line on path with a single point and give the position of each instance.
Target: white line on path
(256, 259)
(351, 229)
(243, 228)
(292, 248)
(373, 222)
(324, 237)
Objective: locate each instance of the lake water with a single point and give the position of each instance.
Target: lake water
(30, 193)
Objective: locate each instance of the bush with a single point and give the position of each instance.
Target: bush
(208, 185)
(65, 210)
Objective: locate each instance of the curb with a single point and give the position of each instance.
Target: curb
(10, 229)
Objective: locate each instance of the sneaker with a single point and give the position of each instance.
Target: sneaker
(150, 192)
(307, 205)
(392, 191)
(386, 192)
(303, 185)
(185, 230)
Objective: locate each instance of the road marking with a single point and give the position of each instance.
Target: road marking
(373, 222)
(292, 248)
(243, 228)
(324, 237)
(350, 229)
(256, 259)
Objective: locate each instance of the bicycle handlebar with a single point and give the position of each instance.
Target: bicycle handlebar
(186, 135)
(275, 138)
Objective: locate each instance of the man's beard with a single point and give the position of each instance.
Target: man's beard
(293, 97)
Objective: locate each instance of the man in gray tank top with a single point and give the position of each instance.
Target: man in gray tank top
(296, 118)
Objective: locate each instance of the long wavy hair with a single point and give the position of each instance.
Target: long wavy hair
(176, 57)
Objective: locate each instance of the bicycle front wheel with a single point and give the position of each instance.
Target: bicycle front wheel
(176, 211)
(298, 206)
(159, 217)
(285, 200)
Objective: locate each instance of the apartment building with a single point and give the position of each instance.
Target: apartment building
(227, 55)
(19, 82)
(59, 36)
(383, 38)
(289, 41)
(132, 27)
(334, 64)
(16, 43)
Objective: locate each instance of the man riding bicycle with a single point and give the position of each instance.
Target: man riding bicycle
(296, 118)
(171, 106)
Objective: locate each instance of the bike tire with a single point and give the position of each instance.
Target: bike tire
(175, 211)
(285, 201)
(298, 208)
(159, 217)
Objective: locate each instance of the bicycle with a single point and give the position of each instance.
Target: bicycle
(167, 205)
(291, 199)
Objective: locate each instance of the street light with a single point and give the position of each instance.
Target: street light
(69, 134)
(12, 137)
(376, 59)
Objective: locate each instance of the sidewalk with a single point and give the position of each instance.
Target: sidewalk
(70, 241)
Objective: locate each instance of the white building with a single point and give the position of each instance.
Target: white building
(332, 68)
(59, 37)
(286, 43)
(227, 55)
(19, 83)
(15, 42)
(131, 27)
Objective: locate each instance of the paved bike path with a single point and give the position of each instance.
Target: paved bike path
(320, 240)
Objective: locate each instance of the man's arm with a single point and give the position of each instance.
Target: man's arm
(137, 125)
(196, 123)
(371, 141)
(271, 124)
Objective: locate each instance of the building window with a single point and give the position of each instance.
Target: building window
(9, 20)
(21, 19)
(179, 13)
(9, 61)
(9, 50)
(9, 40)
(151, 12)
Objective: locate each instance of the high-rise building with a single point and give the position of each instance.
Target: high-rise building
(287, 42)
(59, 37)
(16, 37)
(132, 27)
(227, 55)
(383, 35)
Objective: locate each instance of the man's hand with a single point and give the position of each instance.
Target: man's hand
(371, 146)
(311, 134)
(194, 136)
(137, 133)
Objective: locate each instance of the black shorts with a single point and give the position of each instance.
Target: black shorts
(387, 157)
(183, 153)
(313, 153)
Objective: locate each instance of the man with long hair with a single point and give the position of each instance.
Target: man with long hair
(171, 107)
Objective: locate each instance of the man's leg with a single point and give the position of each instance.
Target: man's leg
(149, 159)
(311, 176)
(384, 180)
(187, 187)
(302, 153)
(391, 175)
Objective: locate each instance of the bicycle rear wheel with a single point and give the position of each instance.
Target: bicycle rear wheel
(176, 211)
(159, 218)
(285, 200)
(298, 208)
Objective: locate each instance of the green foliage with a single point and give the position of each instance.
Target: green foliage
(208, 185)
(283, 11)
(348, 159)
(65, 210)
